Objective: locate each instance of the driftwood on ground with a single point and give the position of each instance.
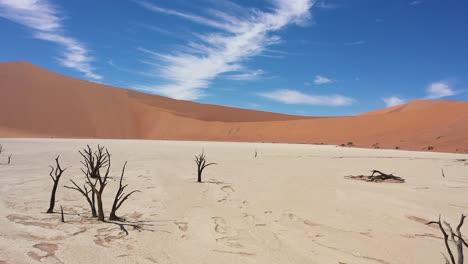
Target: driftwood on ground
(380, 177)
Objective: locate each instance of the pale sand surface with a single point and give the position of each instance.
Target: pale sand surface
(291, 204)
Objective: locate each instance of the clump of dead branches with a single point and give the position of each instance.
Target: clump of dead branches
(96, 168)
(455, 237)
(377, 176)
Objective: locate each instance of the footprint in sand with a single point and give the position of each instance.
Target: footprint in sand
(227, 188)
(220, 225)
(230, 242)
(183, 226)
(249, 216)
(244, 203)
(47, 248)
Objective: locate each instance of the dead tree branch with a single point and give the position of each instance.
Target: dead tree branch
(120, 197)
(86, 193)
(456, 238)
(200, 160)
(381, 177)
(55, 174)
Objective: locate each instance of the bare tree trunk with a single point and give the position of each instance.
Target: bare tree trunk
(52, 198)
(93, 204)
(58, 173)
(199, 175)
(100, 207)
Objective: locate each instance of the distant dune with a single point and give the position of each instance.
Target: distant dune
(35, 102)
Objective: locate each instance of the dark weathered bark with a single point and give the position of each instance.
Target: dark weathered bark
(456, 238)
(100, 208)
(9, 159)
(55, 175)
(61, 214)
(120, 197)
(200, 160)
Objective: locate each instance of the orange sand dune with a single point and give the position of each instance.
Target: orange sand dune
(39, 103)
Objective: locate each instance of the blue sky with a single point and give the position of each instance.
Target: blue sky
(331, 57)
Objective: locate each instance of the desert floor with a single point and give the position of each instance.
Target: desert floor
(291, 204)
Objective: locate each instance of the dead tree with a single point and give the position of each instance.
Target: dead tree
(86, 193)
(9, 158)
(456, 238)
(55, 174)
(1, 149)
(120, 197)
(94, 162)
(200, 160)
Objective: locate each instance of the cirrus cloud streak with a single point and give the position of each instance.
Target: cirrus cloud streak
(235, 39)
(288, 96)
(44, 20)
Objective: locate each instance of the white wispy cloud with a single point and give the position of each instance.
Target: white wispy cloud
(325, 5)
(359, 42)
(194, 18)
(247, 76)
(439, 90)
(416, 2)
(46, 24)
(296, 97)
(238, 37)
(322, 80)
(393, 101)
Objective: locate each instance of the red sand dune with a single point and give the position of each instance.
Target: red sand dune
(35, 102)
